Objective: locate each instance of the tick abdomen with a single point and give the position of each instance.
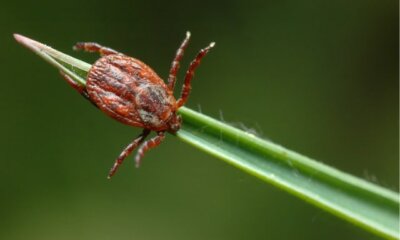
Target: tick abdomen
(130, 92)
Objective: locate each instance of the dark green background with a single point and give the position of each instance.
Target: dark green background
(319, 77)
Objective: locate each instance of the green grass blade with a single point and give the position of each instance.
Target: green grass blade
(365, 204)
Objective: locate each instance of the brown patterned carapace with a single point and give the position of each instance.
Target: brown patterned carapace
(129, 91)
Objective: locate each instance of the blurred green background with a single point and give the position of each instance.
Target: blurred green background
(319, 77)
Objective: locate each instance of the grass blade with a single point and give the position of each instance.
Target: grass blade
(367, 205)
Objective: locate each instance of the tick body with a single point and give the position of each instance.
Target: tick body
(129, 91)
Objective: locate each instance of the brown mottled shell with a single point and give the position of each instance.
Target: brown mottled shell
(131, 92)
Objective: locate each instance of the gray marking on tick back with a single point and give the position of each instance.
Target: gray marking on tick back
(149, 117)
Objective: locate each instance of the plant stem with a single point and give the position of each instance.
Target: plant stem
(367, 205)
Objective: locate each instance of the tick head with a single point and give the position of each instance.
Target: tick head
(174, 123)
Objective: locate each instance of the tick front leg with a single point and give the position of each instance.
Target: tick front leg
(190, 73)
(152, 143)
(128, 151)
(94, 47)
(176, 62)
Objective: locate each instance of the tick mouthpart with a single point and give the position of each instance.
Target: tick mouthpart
(175, 123)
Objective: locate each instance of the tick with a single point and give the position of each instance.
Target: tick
(129, 91)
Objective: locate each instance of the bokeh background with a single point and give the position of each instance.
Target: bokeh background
(319, 77)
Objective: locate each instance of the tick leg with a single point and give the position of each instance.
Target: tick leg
(128, 151)
(78, 87)
(175, 63)
(190, 73)
(152, 143)
(94, 47)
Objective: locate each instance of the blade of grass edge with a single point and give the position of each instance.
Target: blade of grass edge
(367, 205)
